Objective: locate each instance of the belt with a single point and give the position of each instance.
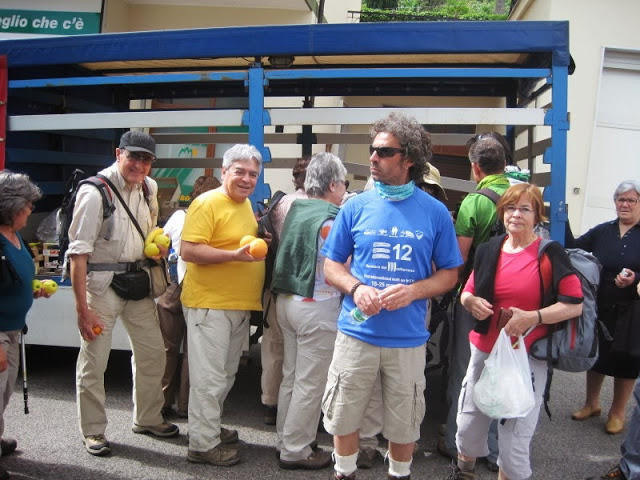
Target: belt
(117, 267)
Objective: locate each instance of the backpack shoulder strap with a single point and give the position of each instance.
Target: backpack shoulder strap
(490, 194)
(124, 205)
(275, 199)
(105, 192)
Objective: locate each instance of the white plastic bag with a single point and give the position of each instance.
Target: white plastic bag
(505, 388)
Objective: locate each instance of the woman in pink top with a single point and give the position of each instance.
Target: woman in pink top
(505, 291)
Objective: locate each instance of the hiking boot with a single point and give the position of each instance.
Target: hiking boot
(614, 474)
(366, 457)
(220, 455)
(163, 430)
(96, 445)
(228, 436)
(317, 460)
(8, 446)
(457, 474)
(270, 414)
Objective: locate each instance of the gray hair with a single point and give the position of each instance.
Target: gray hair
(323, 169)
(241, 152)
(626, 186)
(16, 191)
(489, 151)
(413, 138)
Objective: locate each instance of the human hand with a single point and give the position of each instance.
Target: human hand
(41, 293)
(480, 308)
(242, 255)
(625, 278)
(4, 364)
(367, 299)
(396, 296)
(86, 322)
(520, 322)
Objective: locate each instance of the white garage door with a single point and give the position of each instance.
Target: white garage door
(615, 148)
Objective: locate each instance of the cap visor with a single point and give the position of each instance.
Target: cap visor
(131, 148)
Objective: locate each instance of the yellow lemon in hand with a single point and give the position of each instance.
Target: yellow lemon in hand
(50, 286)
(162, 240)
(151, 250)
(246, 239)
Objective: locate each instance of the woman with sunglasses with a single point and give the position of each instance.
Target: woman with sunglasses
(504, 291)
(615, 244)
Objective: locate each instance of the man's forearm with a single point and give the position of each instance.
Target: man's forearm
(79, 281)
(203, 254)
(338, 275)
(440, 282)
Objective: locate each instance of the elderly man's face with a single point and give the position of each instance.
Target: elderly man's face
(134, 166)
(239, 180)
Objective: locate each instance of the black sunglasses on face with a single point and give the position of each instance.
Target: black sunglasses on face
(385, 152)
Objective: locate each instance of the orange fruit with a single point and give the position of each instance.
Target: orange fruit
(96, 329)
(258, 248)
(246, 239)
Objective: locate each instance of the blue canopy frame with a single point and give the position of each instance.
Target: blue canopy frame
(101, 73)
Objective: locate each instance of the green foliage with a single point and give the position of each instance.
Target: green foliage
(431, 10)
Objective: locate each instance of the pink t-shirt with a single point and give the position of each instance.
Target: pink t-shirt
(517, 284)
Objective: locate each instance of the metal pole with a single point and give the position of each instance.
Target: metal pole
(25, 390)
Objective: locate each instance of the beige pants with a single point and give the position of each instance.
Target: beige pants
(9, 341)
(271, 353)
(175, 382)
(215, 341)
(147, 363)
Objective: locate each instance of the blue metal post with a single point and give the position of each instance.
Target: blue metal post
(256, 118)
(556, 154)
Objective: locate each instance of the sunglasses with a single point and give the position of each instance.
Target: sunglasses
(385, 152)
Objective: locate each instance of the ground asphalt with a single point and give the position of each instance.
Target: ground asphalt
(49, 445)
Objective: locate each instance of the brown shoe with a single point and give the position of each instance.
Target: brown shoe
(317, 460)
(228, 436)
(457, 474)
(220, 455)
(163, 430)
(614, 474)
(97, 445)
(614, 425)
(586, 412)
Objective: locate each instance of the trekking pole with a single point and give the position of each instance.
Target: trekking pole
(23, 351)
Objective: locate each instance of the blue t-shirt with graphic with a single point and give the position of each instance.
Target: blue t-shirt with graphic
(390, 243)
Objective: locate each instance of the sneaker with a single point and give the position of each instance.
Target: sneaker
(8, 446)
(270, 414)
(367, 457)
(220, 455)
(163, 430)
(614, 474)
(317, 460)
(228, 436)
(457, 474)
(96, 445)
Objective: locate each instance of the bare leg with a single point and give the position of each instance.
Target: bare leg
(401, 452)
(346, 445)
(622, 390)
(501, 475)
(594, 384)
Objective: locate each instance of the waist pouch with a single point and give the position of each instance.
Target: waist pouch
(131, 285)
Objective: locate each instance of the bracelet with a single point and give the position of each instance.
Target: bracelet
(354, 288)
(539, 317)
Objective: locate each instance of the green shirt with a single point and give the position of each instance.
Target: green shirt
(477, 212)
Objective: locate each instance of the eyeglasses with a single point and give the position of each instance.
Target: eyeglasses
(630, 201)
(511, 209)
(385, 152)
(143, 157)
(346, 184)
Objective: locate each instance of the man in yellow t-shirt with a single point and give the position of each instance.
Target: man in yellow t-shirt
(222, 285)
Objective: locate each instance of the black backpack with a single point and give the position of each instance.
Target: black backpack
(265, 225)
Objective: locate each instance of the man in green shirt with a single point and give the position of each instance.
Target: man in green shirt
(488, 155)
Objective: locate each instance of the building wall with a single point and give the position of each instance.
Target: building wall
(593, 25)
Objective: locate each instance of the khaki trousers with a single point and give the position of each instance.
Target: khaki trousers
(271, 353)
(216, 338)
(175, 382)
(140, 320)
(10, 344)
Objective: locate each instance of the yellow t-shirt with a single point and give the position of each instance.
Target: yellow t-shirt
(216, 220)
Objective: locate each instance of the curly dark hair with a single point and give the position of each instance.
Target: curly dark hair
(413, 138)
(299, 172)
(204, 183)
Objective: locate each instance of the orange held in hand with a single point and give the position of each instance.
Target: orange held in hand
(96, 329)
(246, 239)
(258, 248)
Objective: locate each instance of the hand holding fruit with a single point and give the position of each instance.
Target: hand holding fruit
(44, 288)
(255, 248)
(156, 244)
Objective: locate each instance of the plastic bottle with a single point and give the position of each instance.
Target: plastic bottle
(357, 316)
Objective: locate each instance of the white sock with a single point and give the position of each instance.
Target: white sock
(346, 464)
(399, 469)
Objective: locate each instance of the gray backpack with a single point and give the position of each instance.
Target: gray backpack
(572, 345)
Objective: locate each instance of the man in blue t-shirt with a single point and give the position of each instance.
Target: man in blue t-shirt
(395, 234)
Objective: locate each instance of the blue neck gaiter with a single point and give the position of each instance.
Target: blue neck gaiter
(395, 193)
